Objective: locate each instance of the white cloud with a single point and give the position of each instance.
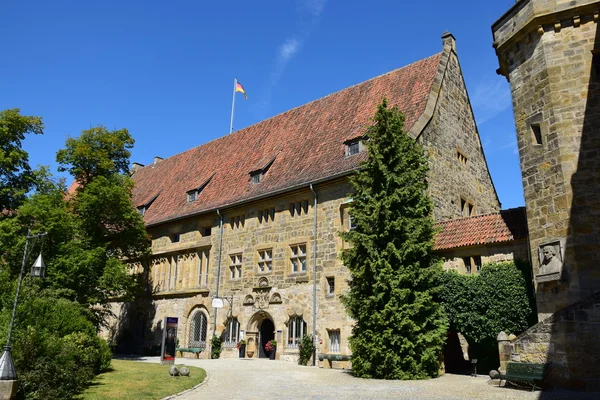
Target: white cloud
(490, 99)
(315, 7)
(289, 48)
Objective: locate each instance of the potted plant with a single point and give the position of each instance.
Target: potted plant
(271, 348)
(241, 346)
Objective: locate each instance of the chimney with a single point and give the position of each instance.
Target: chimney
(157, 159)
(449, 40)
(135, 167)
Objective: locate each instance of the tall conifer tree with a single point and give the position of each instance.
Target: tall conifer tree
(399, 329)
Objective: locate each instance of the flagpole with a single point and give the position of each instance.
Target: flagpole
(232, 105)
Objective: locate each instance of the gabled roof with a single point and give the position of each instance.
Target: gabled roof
(308, 141)
(505, 226)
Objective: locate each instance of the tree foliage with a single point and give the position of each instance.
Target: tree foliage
(399, 328)
(16, 177)
(307, 348)
(481, 306)
(92, 233)
(55, 347)
(97, 152)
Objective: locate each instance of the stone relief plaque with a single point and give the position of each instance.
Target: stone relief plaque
(551, 262)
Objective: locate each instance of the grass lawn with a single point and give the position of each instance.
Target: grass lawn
(131, 380)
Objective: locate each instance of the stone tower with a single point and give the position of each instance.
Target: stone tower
(549, 50)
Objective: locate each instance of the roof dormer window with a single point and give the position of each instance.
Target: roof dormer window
(142, 210)
(192, 195)
(354, 147)
(257, 174)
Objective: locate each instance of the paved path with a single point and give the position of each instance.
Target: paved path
(264, 379)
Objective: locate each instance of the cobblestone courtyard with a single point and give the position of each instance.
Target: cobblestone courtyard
(264, 379)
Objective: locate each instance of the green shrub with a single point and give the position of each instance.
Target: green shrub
(215, 347)
(307, 347)
(481, 306)
(54, 346)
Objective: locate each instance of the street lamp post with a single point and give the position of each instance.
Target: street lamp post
(8, 374)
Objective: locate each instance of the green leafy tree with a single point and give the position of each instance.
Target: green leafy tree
(16, 177)
(97, 152)
(481, 306)
(399, 328)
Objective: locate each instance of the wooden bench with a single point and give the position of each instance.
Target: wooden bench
(524, 372)
(195, 350)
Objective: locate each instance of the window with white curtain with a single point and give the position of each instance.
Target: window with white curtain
(232, 332)
(296, 331)
(334, 341)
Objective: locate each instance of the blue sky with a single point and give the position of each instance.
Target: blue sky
(165, 69)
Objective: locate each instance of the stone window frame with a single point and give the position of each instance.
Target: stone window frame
(267, 215)
(468, 206)
(299, 208)
(197, 334)
(231, 333)
(237, 222)
(471, 263)
(299, 257)
(235, 266)
(265, 262)
(296, 329)
(330, 285)
(533, 124)
(203, 255)
(335, 346)
(462, 158)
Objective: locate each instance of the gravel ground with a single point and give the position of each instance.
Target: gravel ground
(264, 379)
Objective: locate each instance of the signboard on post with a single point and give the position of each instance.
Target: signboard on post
(217, 302)
(169, 341)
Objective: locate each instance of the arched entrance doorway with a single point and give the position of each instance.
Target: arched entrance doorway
(266, 332)
(260, 330)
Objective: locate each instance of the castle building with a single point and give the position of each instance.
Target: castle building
(253, 217)
(549, 51)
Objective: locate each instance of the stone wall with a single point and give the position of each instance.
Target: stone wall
(555, 88)
(572, 358)
(492, 253)
(458, 169)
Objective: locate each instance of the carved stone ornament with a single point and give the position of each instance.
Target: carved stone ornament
(263, 282)
(551, 262)
(275, 299)
(249, 300)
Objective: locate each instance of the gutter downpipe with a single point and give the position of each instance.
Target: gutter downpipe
(314, 311)
(218, 268)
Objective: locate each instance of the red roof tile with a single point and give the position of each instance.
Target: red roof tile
(307, 143)
(505, 226)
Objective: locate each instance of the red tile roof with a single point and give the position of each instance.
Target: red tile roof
(307, 144)
(505, 226)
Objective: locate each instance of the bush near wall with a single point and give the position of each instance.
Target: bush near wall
(55, 348)
(481, 306)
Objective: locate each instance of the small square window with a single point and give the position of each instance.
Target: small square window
(466, 208)
(330, 285)
(192, 196)
(207, 231)
(298, 258)
(256, 177)
(353, 148)
(265, 263)
(537, 133)
(235, 266)
(175, 238)
(142, 210)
